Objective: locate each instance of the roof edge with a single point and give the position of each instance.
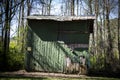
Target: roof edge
(61, 18)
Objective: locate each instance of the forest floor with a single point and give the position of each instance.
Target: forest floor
(23, 75)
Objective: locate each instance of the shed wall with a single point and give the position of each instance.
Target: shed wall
(49, 44)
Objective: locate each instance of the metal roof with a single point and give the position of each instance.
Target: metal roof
(61, 18)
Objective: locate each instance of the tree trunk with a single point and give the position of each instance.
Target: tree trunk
(19, 24)
(28, 7)
(77, 7)
(72, 7)
(1, 23)
(96, 26)
(110, 57)
(90, 6)
(119, 28)
(104, 34)
(22, 27)
(7, 32)
(49, 7)
(2, 40)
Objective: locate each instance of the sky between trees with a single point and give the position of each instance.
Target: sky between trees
(56, 9)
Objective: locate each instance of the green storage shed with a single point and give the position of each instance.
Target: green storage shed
(51, 38)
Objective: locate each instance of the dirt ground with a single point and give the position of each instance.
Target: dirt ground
(23, 73)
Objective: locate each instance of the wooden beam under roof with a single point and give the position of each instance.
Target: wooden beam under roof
(62, 18)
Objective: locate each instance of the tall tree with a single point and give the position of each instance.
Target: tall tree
(77, 3)
(110, 58)
(9, 8)
(72, 7)
(29, 6)
(90, 7)
(1, 20)
(119, 28)
(22, 26)
(96, 24)
(46, 7)
(6, 33)
(19, 24)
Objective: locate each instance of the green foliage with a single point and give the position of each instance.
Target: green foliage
(15, 59)
(92, 61)
(1, 54)
(103, 59)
